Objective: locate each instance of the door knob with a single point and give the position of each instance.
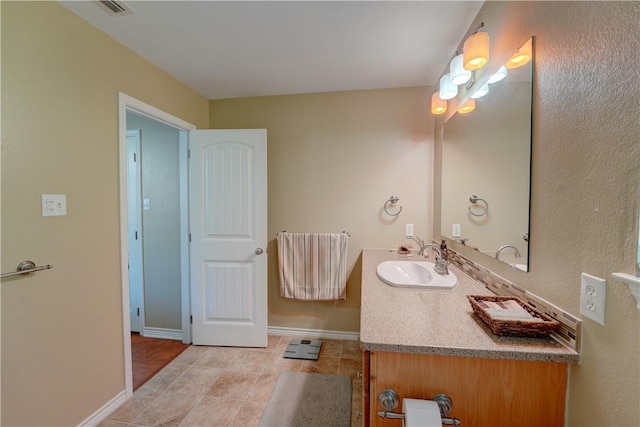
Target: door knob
(259, 251)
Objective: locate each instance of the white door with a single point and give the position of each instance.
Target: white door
(134, 231)
(228, 226)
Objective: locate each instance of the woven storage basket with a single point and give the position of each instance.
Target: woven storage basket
(542, 326)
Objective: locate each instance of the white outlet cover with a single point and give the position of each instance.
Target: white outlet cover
(408, 230)
(455, 230)
(54, 204)
(593, 292)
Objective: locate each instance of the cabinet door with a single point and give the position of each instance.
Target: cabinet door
(485, 392)
(366, 381)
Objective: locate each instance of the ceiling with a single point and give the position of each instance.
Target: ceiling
(230, 49)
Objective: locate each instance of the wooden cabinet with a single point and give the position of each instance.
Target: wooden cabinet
(485, 392)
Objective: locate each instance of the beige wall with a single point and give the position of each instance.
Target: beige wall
(61, 329)
(585, 184)
(333, 160)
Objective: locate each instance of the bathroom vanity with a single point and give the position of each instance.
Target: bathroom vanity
(421, 342)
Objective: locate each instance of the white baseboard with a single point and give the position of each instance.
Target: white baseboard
(106, 409)
(314, 333)
(167, 334)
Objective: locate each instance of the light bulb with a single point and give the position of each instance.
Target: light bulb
(476, 51)
(447, 90)
(438, 106)
(499, 75)
(458, 75)
(482, 91)
(521, 57)
(467, 107)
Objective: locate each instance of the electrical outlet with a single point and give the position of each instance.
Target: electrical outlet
(593, 291)
(408, 230)
(455, 230)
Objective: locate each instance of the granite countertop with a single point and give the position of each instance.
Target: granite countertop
(440, 322)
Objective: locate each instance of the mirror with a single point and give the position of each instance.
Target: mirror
(486, 169)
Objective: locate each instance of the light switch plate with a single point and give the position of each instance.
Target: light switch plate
(592, 297)
(54, 205)
(455, 230)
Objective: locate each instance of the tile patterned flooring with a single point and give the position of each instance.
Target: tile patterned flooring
(230, 386)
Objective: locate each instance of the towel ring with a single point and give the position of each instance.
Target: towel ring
(392, 200)
(481, 210)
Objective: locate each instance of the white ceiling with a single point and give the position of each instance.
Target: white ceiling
(229, 49)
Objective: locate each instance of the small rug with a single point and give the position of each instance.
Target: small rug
(309, 400)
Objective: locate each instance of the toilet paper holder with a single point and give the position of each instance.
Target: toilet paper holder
(389, 400)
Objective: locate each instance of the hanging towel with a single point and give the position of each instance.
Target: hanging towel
(313, 266)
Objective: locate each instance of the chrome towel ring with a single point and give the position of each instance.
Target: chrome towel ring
(479, 209)
(392, 200)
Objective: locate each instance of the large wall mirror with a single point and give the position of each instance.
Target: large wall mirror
(486, 170)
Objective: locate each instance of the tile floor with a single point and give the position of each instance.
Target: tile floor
(230, 386)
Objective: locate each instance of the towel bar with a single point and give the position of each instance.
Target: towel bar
(26, 267)
(343, 232)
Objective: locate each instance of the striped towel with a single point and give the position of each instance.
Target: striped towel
(313, 266)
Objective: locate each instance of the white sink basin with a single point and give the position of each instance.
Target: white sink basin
(414, 274)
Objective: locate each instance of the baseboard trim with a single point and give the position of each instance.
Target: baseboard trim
(314, 333)
(167, 334)
(106, 409)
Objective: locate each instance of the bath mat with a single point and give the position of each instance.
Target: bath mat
(303, 349)
(309, 400)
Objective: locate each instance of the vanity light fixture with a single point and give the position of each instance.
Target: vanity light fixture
(447, 90)
(482, 91)
(499, 75)
(458, 74)
(438, 106)
(476, 50)
(521, 57)
(467, 107)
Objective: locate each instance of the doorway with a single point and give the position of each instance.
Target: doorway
(176, 326)
(153, 193)
(227, 210)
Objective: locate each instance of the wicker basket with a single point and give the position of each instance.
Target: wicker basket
(541, 326)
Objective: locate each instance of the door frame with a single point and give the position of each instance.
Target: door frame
(128, 103)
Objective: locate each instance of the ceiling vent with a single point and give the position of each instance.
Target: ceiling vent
(116, 8)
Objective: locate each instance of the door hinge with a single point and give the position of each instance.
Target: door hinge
(189, 237)
(191, 319)
(188, 154)
(136, 232)
(138, 311)
(134, 157)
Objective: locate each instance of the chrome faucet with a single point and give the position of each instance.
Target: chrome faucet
(505, 247)
(441, 264)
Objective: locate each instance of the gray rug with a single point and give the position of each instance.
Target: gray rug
(301, 399)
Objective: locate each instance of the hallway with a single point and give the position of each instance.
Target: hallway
(150, 355)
